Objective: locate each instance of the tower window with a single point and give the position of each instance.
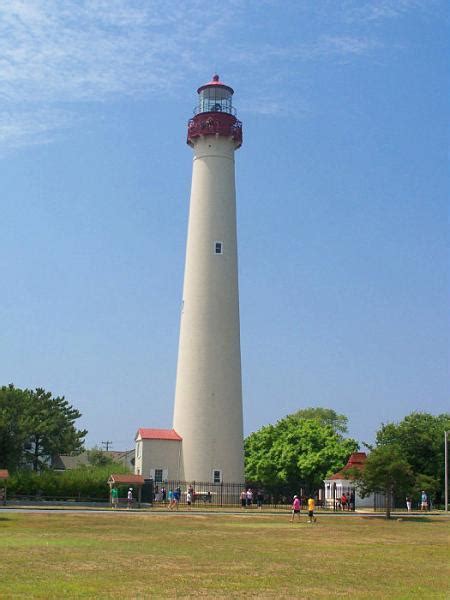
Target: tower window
(217, 476)
(218, 248)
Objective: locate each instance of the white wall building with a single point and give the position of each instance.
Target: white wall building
(341, 483)
(158, 454)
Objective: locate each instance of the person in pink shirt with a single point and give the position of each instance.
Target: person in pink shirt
(296, 508)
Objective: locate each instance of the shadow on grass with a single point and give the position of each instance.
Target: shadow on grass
(428, 520)
(424, 519)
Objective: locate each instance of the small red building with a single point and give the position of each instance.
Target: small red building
(342, 483)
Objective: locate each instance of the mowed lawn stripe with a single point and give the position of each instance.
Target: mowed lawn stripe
(113, 556)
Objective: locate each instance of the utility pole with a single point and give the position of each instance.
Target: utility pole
(107, 444)
(446, 469)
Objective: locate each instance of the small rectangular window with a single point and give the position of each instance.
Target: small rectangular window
(217, 476)
(218, 248)
(158, 475)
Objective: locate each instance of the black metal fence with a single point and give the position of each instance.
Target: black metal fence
(205, 493)
(200, 493)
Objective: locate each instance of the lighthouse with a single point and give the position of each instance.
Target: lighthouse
(208, 394)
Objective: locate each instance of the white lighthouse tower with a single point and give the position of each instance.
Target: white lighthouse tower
(208, 397)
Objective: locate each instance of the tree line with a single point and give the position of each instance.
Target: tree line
(304, 448)
(299, 451)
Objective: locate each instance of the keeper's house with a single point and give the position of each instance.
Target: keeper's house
(158, 454)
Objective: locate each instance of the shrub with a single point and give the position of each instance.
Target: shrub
(87, 482)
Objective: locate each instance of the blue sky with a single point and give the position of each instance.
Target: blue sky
(342, 203)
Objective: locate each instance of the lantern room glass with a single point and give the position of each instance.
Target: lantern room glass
(215, 99)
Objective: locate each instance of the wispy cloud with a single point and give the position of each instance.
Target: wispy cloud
(379, 10)
(56, 54)
(28, 127)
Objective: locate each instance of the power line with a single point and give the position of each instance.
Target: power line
(107, 444)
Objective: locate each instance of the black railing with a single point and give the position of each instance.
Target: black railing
(214, 108)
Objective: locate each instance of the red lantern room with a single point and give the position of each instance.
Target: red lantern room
(215, 114)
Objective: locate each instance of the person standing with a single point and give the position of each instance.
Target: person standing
(311, 507)
(423, 501)
(249, 496)
(189, 499)
(408, 503)
(115, 497)
(130, 498)
(295, 508)
(352, 500)
(243, 499)
(259, 499)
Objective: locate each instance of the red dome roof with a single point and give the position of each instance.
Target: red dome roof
(356, 461)
(215, 81)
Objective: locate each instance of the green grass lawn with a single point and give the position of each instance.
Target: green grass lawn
(132, 555)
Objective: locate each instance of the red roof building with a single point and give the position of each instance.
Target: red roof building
(343, 483)
(126, 479)
(158, 434)
(158, 454)
(356, 461)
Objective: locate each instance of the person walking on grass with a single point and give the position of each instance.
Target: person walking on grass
(295, 508)
(311, 507)
(176, 498)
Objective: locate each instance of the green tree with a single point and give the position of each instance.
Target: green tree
(302, 448)
(98, 458)
(34, 426)
(12, 434)
(420, 440)
(326, 416)
(385, 471)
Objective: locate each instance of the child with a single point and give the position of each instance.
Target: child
(311, 506)
(295, 508)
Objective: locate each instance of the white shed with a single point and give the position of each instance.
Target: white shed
(158, 454)
(342, 483)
